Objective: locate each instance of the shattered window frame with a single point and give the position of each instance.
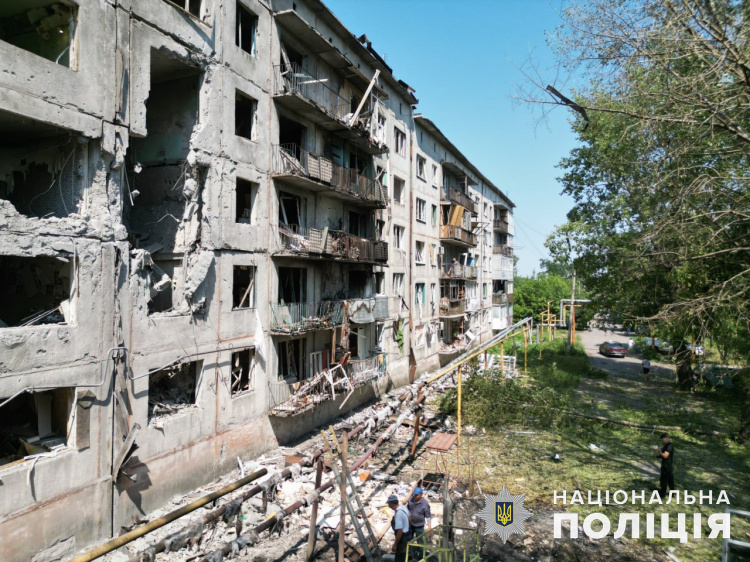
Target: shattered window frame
(398, 283)
(241, 188)
(399, 188)
(239, 375)
(244, 16)
(400, 141)
(243, 124)
(169, 408)
(421, 165)
(398, 236)
(249, 295)
(420, 210)
(419, 258)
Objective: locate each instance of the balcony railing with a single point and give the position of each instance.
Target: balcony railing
(293, 79)
(292, 160)
(452, 195)
(500, 225)
(450, 307)
(503, 249)
(362, 371)
(499, 298)
(458, 271)
(297, 317)
(449, 232)
(335, 243)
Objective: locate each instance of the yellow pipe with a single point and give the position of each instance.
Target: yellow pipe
(525, 343)
(117, 542)
(502, 357)
(459, 406)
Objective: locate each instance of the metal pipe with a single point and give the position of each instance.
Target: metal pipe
(52, 387)
(255, 490)
(117, 542)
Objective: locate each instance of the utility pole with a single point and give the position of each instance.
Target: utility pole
(571, 328)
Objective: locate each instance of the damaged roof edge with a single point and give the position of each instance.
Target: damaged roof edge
(433, 129)
(366, 52)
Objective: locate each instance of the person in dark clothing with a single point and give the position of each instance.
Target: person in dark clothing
(419, 516)
(666, 454)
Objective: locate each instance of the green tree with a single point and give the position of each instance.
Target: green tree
(660, 229)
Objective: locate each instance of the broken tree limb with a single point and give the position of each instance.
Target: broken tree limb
(649, 427)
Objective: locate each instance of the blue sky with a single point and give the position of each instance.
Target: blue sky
(463, 60)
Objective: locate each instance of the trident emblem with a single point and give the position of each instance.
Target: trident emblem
(504, 514)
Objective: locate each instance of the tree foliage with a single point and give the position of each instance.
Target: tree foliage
(531, 295)
(660, 229)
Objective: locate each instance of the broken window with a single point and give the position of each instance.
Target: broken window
(44, 169)
(292, 284)
(247, 29)
(292, 359)
(435, 176)
(245, 115)
(243, 288)
(421, 210)
(398, 236)
(48, 29)
(35, 290)
(290, 209)
(379, 337)
(380, 230)
(245, 194)
(421, 164)
(243, 371)
(291, 137)
(173, 389)
(419, 293)
(166, 284)
(33, 423)
(359, 284)
(191, 6)
(398, 283)
(163, 204)
(357, 224)
(380, 283)
(419, 251)
(400, 139)
(398, 190)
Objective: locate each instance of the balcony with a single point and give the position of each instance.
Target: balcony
(300, 317)
(500, 226)
(362, 371)
(452, 195)
(297, 166)
(502, 298)
(458, 271)
(503, 250)
(452, 307)
(333, 244)
(303, 92)
(456, 234)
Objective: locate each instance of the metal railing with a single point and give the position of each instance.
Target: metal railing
(335, 243)
(294, 79)
(361, 371)
(458, 271)
(450, 307)
(500, 225)
(451, 232)
(296, 317)
(291, 159)
(452, 195)
(499, 298)
(503, 249)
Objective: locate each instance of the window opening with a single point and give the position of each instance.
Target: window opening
(247, 29)
(35, 290)
(172, 390)
(245, 194)
(243, 288)
(47, 29)
(33, 423)
(245, 115)
(292, 285)
(292, 359)
(243, 371)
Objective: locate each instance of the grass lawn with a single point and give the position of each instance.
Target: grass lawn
(523, 423)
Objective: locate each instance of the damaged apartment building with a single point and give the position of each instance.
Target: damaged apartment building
(222, 223)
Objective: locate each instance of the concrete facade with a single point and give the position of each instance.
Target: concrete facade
(192, 225)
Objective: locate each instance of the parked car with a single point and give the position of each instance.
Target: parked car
(613, 349)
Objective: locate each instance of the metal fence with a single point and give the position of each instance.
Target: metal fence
(291, 159)
(294, 79)
(289, 318)
(362, 371)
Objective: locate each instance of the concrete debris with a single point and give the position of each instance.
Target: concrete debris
(198, 270)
